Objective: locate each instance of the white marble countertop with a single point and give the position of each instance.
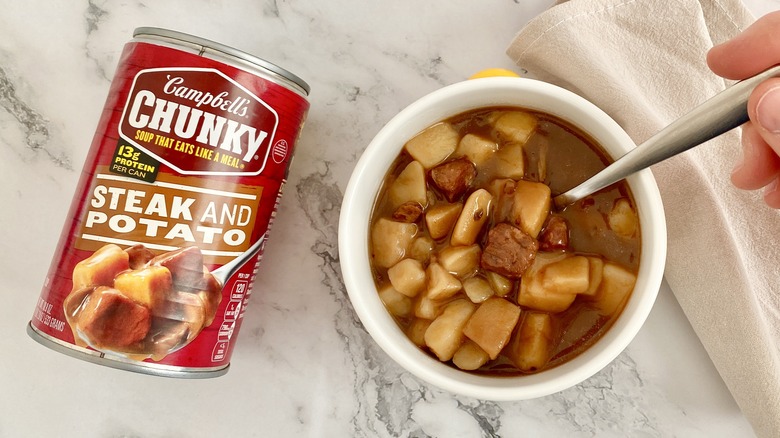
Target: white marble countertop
(303, 365)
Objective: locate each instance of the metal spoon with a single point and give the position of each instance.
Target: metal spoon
(224, 272)
(721, 113)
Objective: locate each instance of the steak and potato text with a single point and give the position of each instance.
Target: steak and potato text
(473, 263)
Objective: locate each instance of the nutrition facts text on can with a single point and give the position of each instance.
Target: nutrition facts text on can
(233, 311)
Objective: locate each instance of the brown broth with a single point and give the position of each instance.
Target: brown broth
(560, 156)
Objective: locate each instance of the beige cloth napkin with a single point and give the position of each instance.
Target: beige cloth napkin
(643, 62)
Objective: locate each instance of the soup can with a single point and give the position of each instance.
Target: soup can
(159, 252)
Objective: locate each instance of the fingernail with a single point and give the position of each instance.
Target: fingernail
(768, 110)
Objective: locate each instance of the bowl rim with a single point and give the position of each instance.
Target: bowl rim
(359, 198)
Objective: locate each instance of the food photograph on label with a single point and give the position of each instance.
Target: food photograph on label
(343, 219)
(139, 305)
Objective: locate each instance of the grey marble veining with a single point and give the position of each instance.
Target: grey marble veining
(303, 365)
(32, 126)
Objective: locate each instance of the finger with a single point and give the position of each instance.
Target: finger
(772, 194)
(753, 51)
(764, 111)
(760, 165)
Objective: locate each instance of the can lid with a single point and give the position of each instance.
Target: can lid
(227, 50)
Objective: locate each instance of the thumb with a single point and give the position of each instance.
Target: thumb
(764, 111)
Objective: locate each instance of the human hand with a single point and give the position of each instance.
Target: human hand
(749, 53)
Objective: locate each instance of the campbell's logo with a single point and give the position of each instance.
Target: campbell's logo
(199, 121)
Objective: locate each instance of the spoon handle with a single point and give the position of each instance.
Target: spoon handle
(223, 273)
(721, 113)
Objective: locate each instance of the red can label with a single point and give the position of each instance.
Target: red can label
(221, 126)
(157, 258)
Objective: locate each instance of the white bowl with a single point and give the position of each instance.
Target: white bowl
(367, 178)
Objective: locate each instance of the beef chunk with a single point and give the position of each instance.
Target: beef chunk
(454, 177)
(509, 251)
(588, 202)
(173, 335)
(185, 264)
(555, 234)
(74, 301)
(112, 320)
(139, 256)
(408, 212)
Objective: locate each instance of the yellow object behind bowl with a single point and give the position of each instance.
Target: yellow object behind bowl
(492, 72)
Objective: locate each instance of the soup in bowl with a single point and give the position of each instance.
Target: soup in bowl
(462, 270)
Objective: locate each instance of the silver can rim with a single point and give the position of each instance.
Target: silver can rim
(99, 358)
(224, 49)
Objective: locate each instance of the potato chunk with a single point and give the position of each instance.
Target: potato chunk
(546, 302)
(503, 191)
(477, 289)
(531, 206)
(462, 261)
(441, 283)
(409, 186)
(422, 248)
(499, 283)
(475, 213)
(148, 286)
(617, 283)
(396, 303)
(596, 265)
(434, 144)
(416, 331)
(440, 218)
(510, 161)
(390, 241)
(477, 149)
(622, 219)
(492, 324)
(532, 292)
(427, 308)
(568, 276)
(515, 126)
(445, 334)
(101, 267)
(492, 116)
(407, 277)
(531, 346)
(501, 186)
(469, 356)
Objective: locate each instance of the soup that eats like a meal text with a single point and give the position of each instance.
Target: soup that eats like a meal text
(474, 264)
